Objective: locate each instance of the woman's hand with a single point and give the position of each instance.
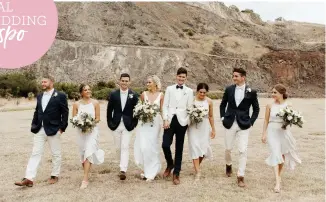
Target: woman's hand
(263, 138)
(212, 134)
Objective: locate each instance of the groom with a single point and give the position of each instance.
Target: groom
(238, 98)
(121, 121)
(49, 122)
(177, 99)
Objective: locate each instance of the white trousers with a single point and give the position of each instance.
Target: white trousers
(242, 136)
(38, 147)
(121, 140)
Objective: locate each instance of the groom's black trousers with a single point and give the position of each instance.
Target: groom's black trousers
(179, 131)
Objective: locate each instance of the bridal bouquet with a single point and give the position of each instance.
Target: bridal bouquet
(290, 117)
(83, 121)
(197, 113)
(146, 112)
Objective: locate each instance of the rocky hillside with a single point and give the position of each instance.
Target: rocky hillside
(98, 41)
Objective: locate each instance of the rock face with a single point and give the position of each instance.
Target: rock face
(98, 41)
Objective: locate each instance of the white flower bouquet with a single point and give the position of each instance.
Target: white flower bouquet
(145, 112)
(290, 117)
(197, 113)
(83, 121)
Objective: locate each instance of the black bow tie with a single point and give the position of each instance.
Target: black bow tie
(181, 87)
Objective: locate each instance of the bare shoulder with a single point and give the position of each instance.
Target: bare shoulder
(209, 100)
(95, 102)
(269, 106)
(75, 104)
(289, 104)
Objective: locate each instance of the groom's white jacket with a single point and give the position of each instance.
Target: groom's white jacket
(178, 107)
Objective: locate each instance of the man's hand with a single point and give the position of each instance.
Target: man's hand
(166, 124)
(60, 131)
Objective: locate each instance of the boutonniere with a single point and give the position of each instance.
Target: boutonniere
(131, 96)
(55, 94)
(248, 90)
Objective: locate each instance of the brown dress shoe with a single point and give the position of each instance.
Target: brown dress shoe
(122, 175)
(228, 170)
(53, 180)
(24, 182)
(176, 179)
(241, 182)
(167, 172)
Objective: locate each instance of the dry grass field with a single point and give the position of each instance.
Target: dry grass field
(306, 183)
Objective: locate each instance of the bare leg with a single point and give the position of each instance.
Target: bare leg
(277, 178)
(280, 168)
(196, 165)
(197, 169)
(87, 167)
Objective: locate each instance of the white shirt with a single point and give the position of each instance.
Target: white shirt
(123, 98)
(239, 94)
(46, 98)
(179, 92)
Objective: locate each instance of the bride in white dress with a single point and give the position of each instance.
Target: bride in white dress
(146, 147)
(281, 143)
(88, 143)
(199, 135)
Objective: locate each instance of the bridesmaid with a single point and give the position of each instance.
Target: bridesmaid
(281, 142)
(88, 143)
(199, 135)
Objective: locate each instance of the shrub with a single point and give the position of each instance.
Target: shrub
(75, 95)
(70, 89)
(139, 90)
(31, 95)
(102, 85)
(215, 95)
(19, 84)
(233, 7)
(102, 94)
(111, 84)
(247, 11)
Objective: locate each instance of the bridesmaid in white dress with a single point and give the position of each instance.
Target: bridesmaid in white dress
(281, 143)
(88, 143)
(199, 135)
(146, 147)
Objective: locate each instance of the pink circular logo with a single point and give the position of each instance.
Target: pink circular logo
(27, 31)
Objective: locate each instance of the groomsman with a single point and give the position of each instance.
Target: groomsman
(177, 99)
(50, 120)
(121, 121)
(238, 98)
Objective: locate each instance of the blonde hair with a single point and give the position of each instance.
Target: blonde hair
(157, 81)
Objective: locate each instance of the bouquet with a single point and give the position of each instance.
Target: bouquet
(290, 117)
(197, 113)
(146, 112)
(83, 121)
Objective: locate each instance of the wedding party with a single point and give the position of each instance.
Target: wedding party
(169, 101)
(178, 111)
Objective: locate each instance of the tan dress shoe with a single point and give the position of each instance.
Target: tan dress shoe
(53, 180)
(241, 182)
(25, 182)
(176, 179)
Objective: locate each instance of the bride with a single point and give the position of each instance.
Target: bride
(88, 143)
(146, 148)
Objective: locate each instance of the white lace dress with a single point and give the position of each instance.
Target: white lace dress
(88, 143)
(146, 147)
(199, 136)
(280, 141)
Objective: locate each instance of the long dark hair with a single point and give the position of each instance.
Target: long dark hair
(202, 86)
